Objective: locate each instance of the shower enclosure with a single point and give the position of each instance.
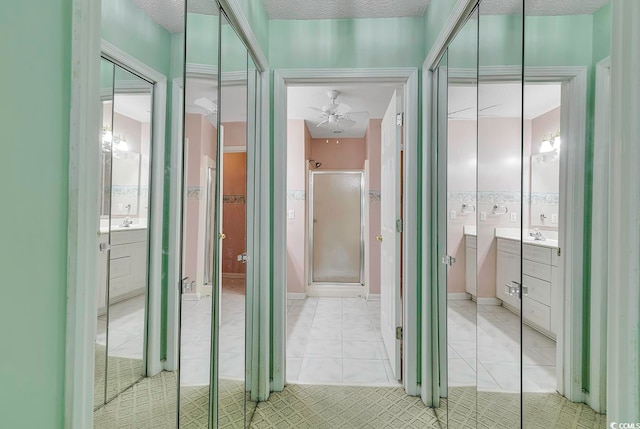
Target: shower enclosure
(336, 228)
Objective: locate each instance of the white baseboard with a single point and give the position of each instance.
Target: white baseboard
(336, 291)
(298, 295)
(458, 296)
(234, 275)
(373, 297)
(489, 301)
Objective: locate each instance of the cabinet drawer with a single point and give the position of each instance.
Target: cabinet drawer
(509, 246)
(536, 254)
(118, 252)
(120, 267)
(471, 242)
(536, 313)
(538, 290)
(125, 237)
(537, 270)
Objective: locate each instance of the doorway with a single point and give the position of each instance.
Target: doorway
(360, 313)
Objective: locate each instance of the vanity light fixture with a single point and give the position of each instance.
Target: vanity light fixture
(108, 139)
(546, 145)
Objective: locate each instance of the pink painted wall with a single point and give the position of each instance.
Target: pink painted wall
(499, 154)
(235, 133)
(461, 178)
(373, 138)
(201, 139)
(234, 211)
(349, 154)
(298, 140)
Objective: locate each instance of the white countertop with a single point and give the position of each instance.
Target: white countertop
(514, 234)
(105, 230)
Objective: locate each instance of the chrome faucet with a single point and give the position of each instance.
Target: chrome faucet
(126, 222)
(537, 235)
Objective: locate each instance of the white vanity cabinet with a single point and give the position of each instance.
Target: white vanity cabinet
(127, 267)
(471, 263)
(540, 282)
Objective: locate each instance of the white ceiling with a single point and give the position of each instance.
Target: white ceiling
(134, 106)
(371, 98)
(503, 100)
(331, 9)
(170, 13)
(234, 97)
(541, 7)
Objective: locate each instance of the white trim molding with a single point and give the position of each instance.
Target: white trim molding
(408, 78)
(597, 397)
(84, 209)
(623, 327)
(296, 295)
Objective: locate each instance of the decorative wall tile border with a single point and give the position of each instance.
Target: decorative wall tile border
(296, 195)
(127, 190)
(497, 197)
(374, 196)
(462, 197)
(234, 199)
(544, 199)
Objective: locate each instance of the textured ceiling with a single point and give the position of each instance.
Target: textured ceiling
(541, 7)
(503, 100)
(170, 13)
(371, 98)
(330, 9)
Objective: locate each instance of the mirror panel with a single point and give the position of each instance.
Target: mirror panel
(460, 158)
(232, 191)
(500, 212)
(128, 260)
(572, 34)
(199, 234)
(106, 101)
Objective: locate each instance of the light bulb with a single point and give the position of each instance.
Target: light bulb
(546, 146)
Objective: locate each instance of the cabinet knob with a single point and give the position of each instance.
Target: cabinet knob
(222, 236)
(379, 237)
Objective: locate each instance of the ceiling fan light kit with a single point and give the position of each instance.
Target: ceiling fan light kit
(334, 115)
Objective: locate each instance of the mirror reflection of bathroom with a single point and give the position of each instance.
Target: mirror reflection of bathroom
(122, 259)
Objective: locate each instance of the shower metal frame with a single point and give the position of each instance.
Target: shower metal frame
(311, 226)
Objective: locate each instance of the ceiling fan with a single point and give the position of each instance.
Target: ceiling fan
(336, 116)
(209, 109)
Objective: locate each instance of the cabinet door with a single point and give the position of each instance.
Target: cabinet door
(470, 267)
(502, 273)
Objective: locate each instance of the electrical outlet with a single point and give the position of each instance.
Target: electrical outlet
(453, 215)
(554, 218)
(514, 217)
(483, 215)
(292, 214)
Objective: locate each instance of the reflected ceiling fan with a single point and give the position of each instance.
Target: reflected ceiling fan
(469, 108)
(209, 109)
(336, 116)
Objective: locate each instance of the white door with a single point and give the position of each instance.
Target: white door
(391, 306)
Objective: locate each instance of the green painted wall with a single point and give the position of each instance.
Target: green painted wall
(381, 42)
(434, 19)
(602, 33)
(34, 117)
(202, 39)
(130, 29)
(259, 20)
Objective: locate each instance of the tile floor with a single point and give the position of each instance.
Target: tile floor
(126, 328)
(497, 347)
(336, 341)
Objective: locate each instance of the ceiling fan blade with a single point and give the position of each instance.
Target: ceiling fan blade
(342, 108)
(460, 110)
(326, 121)
(315, 108)
(346, 123)
(206, 104)
(329, 108)
(489, 107)
(362, 114)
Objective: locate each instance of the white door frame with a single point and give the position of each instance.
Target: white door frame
(597, 396)
(571, 222)
(403, 76)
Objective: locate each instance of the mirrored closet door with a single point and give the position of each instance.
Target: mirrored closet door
(122, 291)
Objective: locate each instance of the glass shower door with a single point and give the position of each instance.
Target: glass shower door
(336, 229)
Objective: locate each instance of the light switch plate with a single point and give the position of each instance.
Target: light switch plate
(514, 217)
(554, 218)
(453, 215)
(292, 214)
(483, 215)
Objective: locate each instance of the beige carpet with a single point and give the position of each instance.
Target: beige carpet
(122, 373)
(151, 404)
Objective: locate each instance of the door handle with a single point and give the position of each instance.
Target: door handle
(515, 288)
(104, 246)
(379, 237)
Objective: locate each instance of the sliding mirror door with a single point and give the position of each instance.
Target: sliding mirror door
(230, 325)
(458, 156)
(199, 210)
(499, 213)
